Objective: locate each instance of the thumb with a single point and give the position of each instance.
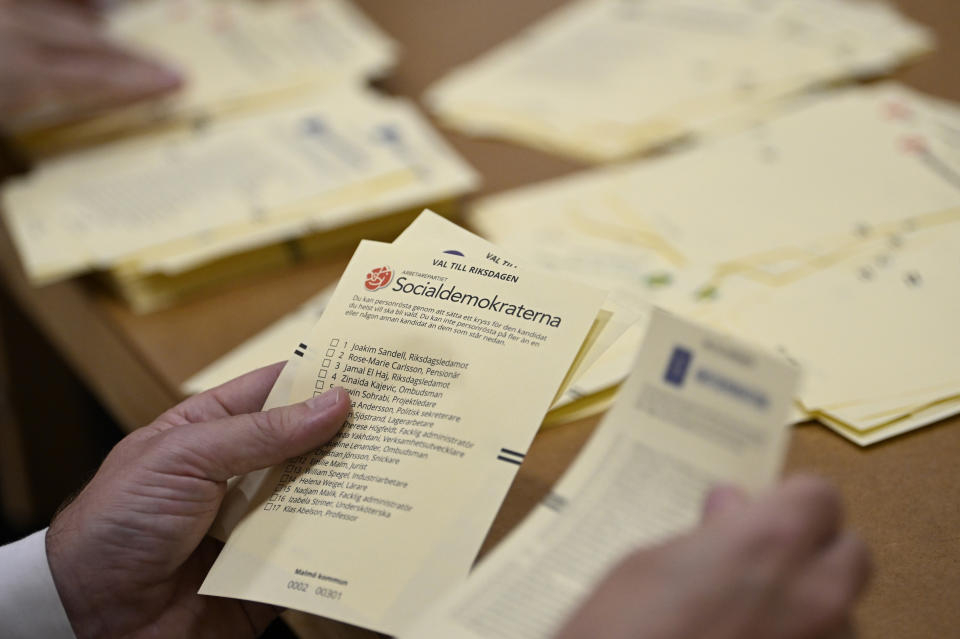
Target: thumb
(240, 444)
(721, 500)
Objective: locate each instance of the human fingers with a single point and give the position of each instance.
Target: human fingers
(761, 547)
(63, 88)
(107, 75)
(819, 601)
(789, 523)
(244, 394)
(723, 499)
(243, 443)
(57, 24)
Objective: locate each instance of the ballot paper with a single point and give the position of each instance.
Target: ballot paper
(855, 187)
(429, 233)
(234, 55)
(699, 408)
(451, 364)
(875, 330)
(603, 79)
(434, 233)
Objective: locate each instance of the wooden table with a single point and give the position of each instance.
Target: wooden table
(903, 495)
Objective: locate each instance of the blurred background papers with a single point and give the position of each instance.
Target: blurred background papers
(276, 151)
(235, 56)
(600, 80)
(830, 234)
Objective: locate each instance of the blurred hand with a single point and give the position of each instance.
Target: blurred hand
(781, 567)
(128, 555)
(57, 66)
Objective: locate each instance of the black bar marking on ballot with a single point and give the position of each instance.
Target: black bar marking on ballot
(512, 452)
(510, 459)
(300, 353)
(303, 346)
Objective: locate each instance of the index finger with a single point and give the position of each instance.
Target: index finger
(793, 521)
(244, 394)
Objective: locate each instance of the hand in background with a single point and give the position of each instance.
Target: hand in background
(129, 553)
(781, 567)
(56, 66)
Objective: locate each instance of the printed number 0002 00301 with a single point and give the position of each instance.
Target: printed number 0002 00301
(320, 591)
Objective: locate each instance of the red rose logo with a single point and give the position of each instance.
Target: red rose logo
(378, 278)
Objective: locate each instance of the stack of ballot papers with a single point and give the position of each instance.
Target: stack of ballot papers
(829, 234)
(167, 216)
(599, 80)
(234, 55)
(273, 343)
(452, 354)
(698, 409)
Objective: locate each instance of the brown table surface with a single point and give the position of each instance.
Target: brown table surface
(903, 495)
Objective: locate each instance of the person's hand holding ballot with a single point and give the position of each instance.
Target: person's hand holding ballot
(778, 567)
(128, 554)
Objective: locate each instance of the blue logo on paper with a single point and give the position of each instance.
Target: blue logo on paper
(679, 365)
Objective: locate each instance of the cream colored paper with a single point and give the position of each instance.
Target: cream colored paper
(433, 232)
(392, 125)
(917, 418)
(699, 408)
(405, 518)
(762, 220)
(174, 205)
(868, 330)
(95, 209)
(429, 232)
(603, 79)
(234, 54)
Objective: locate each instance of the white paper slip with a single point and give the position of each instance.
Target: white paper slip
(450, 371)
(699, 408)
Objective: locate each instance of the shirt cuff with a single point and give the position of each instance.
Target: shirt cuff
(29, 603)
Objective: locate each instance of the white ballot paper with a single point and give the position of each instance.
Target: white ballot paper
(451, 365)
(699, 408)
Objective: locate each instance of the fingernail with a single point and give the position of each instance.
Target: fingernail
(326, 400)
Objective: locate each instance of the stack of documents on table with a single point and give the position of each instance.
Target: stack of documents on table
(235, 56)
(173, 215)
(275, 151)
(675, 432)
(452, 354)
(830, 234)
(604, 79)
